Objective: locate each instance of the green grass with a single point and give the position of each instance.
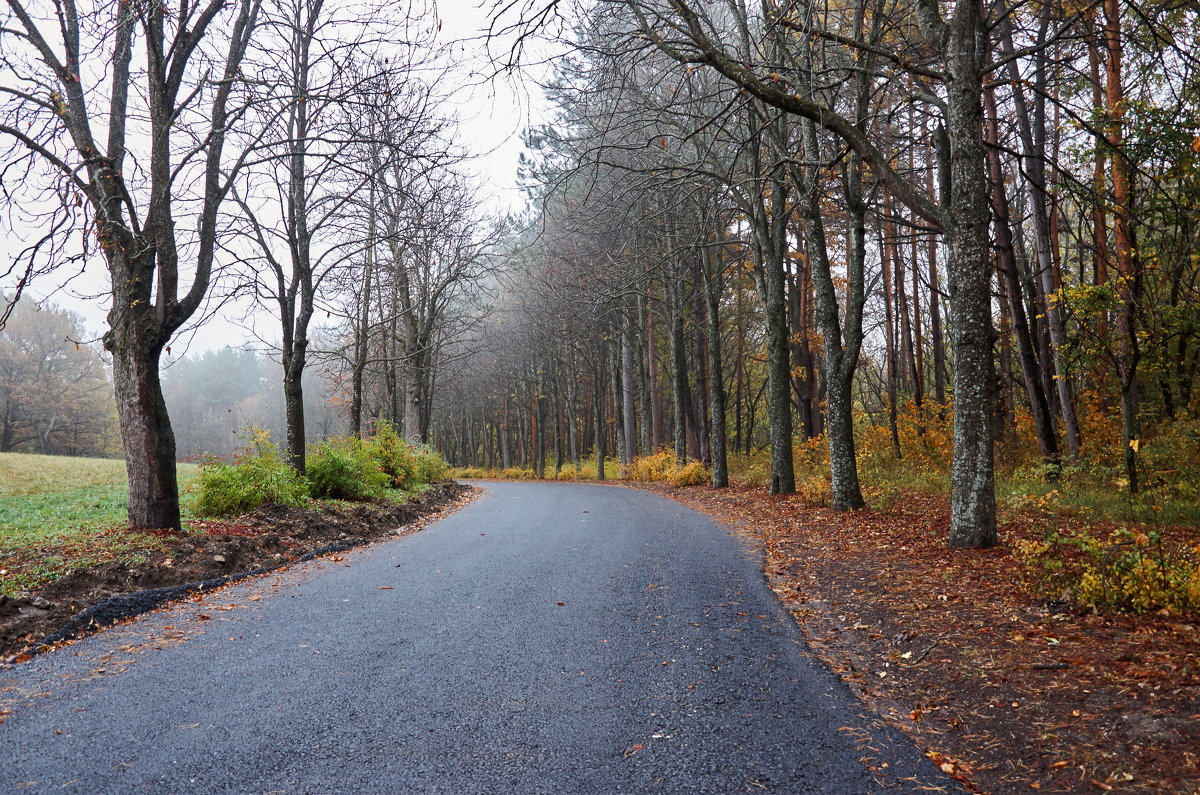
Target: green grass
(46, 498)
(59, 513)
(23, 474)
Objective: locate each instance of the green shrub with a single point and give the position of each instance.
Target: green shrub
(395, 457)
(258, 475)
(342, 469)
(1138, 575)
(430, 467)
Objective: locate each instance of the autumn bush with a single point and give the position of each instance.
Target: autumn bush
(693, 473)
(1127, 569)
(657, 467)
(1136, 573)
(256, 476)
(753, 469)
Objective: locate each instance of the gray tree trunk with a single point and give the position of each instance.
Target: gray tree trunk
(716, 392)
(628, 383)
(678, 371)
(841, 359)
(972, 479)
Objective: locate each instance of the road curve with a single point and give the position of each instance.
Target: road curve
(546, 638)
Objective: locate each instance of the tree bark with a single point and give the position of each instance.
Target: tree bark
(145, 426)
(972, 479)
(841, 355)
(628, 384)
(716, 391)
(679, 384)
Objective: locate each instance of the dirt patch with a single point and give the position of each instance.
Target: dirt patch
(267, 538)
(1006, 691)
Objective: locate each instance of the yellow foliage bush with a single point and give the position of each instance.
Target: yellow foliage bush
(1127, 570)
(1138, 581)
(660, 466)
(691, 474)
(753, 469)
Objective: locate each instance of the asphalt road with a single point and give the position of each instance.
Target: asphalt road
(546, 638)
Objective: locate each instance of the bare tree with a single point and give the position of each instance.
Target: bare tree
(295, 202)
(70, 131)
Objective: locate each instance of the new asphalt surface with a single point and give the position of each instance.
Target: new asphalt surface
(546, 638)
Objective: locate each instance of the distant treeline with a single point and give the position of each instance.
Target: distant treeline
(56, 394)
(214, 396)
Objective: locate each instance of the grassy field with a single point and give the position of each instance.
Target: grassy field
(57, 513)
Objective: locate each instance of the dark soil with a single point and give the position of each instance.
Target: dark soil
(269, 537)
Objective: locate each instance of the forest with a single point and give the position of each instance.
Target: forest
(808, 246)
(865, 231)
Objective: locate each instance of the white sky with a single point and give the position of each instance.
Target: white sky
(492, 114)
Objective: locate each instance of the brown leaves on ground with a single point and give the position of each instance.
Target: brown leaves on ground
(1004, 691)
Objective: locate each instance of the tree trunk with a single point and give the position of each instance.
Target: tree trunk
(614, 382)
(657, 422)
(505, 452)
(802, 355)
(779, 369)
(716, 392)
(889, 339)
(572, 415)
(413, 386)
(293, 404)
(598, 411)
(840, 360)
(936, 338)
(679, 385)
(1125, 251)
(972, 479)
(645, 393)
(628, 384)
(145, 428)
